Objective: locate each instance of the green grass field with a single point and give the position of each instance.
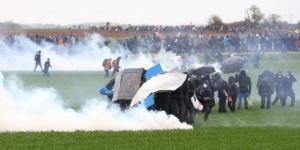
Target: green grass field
(277, 128)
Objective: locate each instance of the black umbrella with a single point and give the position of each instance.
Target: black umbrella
(203, 70)
(232, 64)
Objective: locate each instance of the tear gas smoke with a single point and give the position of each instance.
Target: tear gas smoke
(87, 54)
(41, 109)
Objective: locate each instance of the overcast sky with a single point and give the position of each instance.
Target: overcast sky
(139, 11)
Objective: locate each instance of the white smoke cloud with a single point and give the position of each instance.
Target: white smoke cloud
(41, 109)
(85, 55)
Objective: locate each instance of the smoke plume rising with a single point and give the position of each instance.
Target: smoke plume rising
(41, 109)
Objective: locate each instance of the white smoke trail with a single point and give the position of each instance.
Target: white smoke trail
(43, 110)
(85, 55)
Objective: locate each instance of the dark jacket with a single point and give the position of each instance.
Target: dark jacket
(232, 89)
(222, 87)
(288, 82)
(205, 96)
(244, 82)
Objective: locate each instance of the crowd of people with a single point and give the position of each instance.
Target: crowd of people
(234, 37)
(231, 94)
(60, 40)
(267, 83)
(108, 27)
(238, 89)
(233, 42)
(278, 83)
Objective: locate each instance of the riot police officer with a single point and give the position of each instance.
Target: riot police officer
(265, 88)
(278, 83)
(289, 79)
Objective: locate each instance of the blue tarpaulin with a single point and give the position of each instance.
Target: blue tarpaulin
(149, 101)
(153, 71)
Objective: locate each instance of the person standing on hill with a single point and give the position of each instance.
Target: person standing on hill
(116, 66)
(37, 59)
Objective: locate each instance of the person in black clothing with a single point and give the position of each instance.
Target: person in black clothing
(279, 79)
(179, 98)
(204, 94)
(265, 88)
(222, 88)
(47, 65)
(289, 79)
(211, 83)
(37, 59)
(232, 93)
(244, 89)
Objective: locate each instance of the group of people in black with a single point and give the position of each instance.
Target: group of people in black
(38, 62)
(204, 87)
(238, 89)
(235, 90)
(278, 83)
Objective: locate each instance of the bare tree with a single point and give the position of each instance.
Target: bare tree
(274, 18)
(215, 21)
(254, 14)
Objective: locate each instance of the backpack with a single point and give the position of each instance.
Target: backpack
(104, 62)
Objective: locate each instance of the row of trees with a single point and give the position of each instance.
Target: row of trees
(253, 14)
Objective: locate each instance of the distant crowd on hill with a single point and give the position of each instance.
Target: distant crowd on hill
(236, 37)
(187, 43)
